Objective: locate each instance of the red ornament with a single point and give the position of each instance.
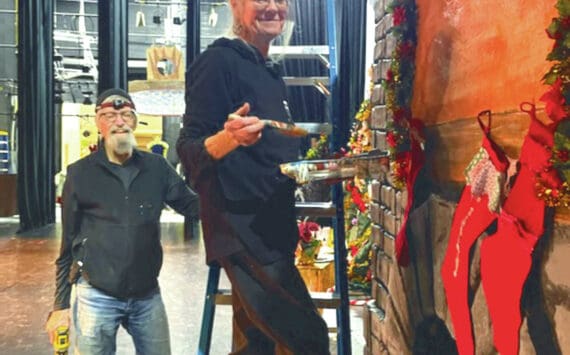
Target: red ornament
(565, 22)
(405, 49)
(563, 155)
(555, 101)
(401, 114)
(554, 35)
(399, 15)
(389, 75)
(392, 139)
(353, 250)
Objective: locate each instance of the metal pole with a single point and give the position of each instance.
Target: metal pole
(341, 281)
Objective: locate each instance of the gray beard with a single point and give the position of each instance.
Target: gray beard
(123, 145)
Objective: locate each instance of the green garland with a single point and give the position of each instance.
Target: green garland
(398, 86)
(557, 100)
(559, 31)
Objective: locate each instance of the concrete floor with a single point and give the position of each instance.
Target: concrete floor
(27, 284)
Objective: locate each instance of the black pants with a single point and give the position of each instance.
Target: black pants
(272, 305)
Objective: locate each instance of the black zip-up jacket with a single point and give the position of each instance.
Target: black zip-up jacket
(111, 235)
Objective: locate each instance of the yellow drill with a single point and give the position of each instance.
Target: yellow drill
(61, 342)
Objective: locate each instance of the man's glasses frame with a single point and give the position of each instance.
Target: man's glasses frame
(127, 116)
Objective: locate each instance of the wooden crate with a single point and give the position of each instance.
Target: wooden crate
(318, 277)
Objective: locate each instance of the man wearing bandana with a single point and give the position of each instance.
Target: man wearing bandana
(110, 247)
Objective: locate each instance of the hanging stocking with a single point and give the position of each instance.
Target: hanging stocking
(415, 160)
(477, 208)
(506, 255)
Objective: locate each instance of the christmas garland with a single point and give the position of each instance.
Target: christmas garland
(404, 132)
(557, 100)
(358, 226)
(358, 223)
(361, 135)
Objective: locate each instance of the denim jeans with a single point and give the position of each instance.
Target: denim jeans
(97, 316)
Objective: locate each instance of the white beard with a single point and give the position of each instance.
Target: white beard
(122, 144)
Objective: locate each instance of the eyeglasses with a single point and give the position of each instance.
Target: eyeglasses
(127, 116)
(265, 3)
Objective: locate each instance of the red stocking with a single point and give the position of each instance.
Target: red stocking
(506, 256)
(485, 175)
(415, 158)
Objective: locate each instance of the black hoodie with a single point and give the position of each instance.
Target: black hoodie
(246, 201)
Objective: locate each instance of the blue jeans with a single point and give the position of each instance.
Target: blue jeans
(97, 316)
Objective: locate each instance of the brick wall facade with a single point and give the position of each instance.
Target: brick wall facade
(384, 315)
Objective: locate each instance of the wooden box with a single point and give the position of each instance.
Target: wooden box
(318, 277)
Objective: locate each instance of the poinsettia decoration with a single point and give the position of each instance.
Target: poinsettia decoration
(308, 246)
(307, 230)
(557, 107)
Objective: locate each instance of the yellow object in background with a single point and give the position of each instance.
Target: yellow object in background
(164, 63)
(158, 146)
(61, 342)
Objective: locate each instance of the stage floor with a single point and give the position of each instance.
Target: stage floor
(27, 284)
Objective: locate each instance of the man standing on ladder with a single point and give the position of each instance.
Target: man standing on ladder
(247, 205)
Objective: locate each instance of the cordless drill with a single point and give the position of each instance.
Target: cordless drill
(61, 342)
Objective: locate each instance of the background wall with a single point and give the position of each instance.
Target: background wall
(8, 62)
(472, 56)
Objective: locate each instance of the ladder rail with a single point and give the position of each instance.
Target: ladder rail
(209, 310)
(341, 281)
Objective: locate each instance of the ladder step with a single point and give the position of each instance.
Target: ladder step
(224, 297)
(325, 299)
(320, 299)
(315, 209)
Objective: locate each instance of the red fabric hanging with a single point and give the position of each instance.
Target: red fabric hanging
(476, 210)
(415, 160)
(506, 256)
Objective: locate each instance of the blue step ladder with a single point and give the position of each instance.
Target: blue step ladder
(339, 299)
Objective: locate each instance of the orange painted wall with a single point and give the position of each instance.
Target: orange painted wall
(476, 55)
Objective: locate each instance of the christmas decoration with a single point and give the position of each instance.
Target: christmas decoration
(309, 246)
(357, 219)
(358, 229)
(405, 133)
(557, 102)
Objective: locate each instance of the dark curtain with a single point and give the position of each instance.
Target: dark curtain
(36, 188)
(112, 44)
(307, 104)
(192, 31)
(351, 34)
